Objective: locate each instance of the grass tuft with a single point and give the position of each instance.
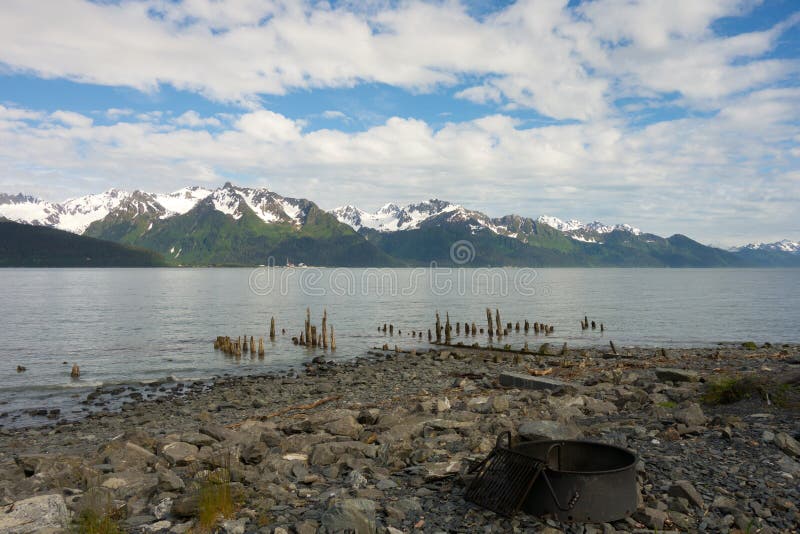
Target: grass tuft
(733, 389)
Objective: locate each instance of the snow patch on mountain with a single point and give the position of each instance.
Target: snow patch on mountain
(785, 245)
(182, 200)
(227, 201)
(596, 227)
(392, 217)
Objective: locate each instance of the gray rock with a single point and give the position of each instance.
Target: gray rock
(518, 380)
(234, 526)
(127, 455)
(218, 432)
(386, 484)
(724, 504)
(554, 430)
(350, 515)
(787, 444)
(676, 375)
(500, 403)
(252, 453)
(179, 452)
(692, 415)
(685, 489)
(169, 481)
(346, 426)
(162, 509)
(36, 514)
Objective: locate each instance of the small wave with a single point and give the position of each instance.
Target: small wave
(78, 384)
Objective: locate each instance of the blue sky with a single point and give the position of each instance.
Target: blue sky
(677, 116)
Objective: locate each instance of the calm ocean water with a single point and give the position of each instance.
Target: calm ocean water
(132, 325)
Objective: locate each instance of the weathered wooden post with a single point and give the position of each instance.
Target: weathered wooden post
(438, 328)
(474, 330)
(489, 322)
(458, 328)
(430, 337)
(324, 329)
(314, 336)
(252, 346)
(333, 339)
(244, 346)
(447, 329)
(272, 329)
(498, 323)
(302, 338)
(527, 326)
(516, 327)
(391, 329)
(602, 328)
(261, 347)
(76, 371)
(564, 349)
(308, 325)
(594, 325)
(613, 348)
(536, 328)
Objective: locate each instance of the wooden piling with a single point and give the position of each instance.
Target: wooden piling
(391, 329)
(244, 346)
(474, 330)
(324, 329)
(527, 326)
(516, 327)
(261, 347)
(252, 346)
(613, 348)
(602, 328)
(314, 336)
(438, 328)
(490, 327)
(497, 322)
(447, 329)
(308, 325)
(76, 371)
(272, 329)
(333, 339)
(594, 325)
(564, 349)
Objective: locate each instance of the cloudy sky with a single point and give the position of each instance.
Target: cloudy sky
(677, 116)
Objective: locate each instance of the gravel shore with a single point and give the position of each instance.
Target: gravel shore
(383, 443)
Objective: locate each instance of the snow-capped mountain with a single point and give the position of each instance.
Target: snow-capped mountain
(391, 217)
(785, 245)
(576, 226)
(77, 214)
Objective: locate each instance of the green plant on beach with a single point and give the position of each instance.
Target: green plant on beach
(215, 496)
(668, 404)
(96, 515)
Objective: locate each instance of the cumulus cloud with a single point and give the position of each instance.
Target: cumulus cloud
(563, 61)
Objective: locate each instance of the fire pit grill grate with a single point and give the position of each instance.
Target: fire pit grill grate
(504, 479)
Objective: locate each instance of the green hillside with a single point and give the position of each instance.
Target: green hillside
(23, 245)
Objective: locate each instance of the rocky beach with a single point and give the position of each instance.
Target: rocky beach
(384, 443)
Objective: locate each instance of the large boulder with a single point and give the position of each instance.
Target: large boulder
(548, 430)
(691, 415)
(676, 375)
(37, 514)
(179, 452)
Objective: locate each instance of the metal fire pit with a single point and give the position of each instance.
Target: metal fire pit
(582, 481)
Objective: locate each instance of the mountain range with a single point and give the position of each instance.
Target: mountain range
(234, 225)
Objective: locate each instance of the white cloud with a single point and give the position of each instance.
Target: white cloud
(193, 119)
(333, 114)
(564, 62)
(70, 118)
